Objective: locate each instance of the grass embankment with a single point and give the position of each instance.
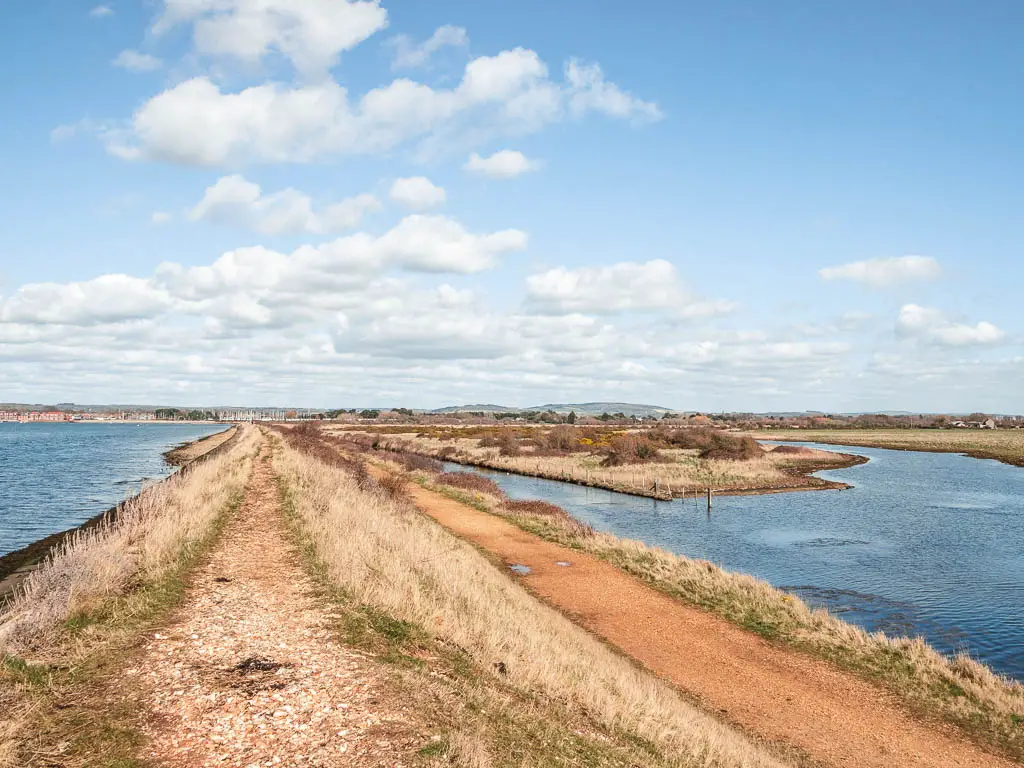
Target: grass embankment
(957, 690)
(509, 680)
(63, 633)
(639, 463)
(1006, 445)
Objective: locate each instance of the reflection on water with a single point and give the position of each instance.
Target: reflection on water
(923, 544)
(55, 476)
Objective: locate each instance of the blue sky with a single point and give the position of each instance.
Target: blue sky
(721, 206)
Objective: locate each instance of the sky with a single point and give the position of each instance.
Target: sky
(734, 206)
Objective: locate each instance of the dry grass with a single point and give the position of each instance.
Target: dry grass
(674, 471)
(100, 584)
(1005, 445)
(387, 556)
(959, 689)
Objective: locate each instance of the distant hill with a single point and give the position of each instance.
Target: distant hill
(582, 409)
(483, 408)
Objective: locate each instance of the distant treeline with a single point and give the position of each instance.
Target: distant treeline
(175, 414)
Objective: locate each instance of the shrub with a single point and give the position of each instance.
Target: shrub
(393, 486)
(469, 481)
(415, 461)
(543, 510)
(509, 444)
(563, 438)
(630, 449)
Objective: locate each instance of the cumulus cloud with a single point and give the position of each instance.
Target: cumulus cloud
(109, 298)
(196, 123)
(626, 286)
(309, 33)
(417, 192)
(409, 55)
(883, 273)
(236, 201)
(101, 11)
(504, 164)
(935, 327)
(134, 61)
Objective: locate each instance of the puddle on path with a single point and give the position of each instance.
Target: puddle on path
(522, 570)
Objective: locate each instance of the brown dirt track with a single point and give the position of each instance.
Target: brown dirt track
(778, 695)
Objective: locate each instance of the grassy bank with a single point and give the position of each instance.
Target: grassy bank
(956, 690)
(1006, 445)
(63, 632)
(659, 471)
(528, 686)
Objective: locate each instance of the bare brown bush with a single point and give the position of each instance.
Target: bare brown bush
(550, 512)
(470, 481)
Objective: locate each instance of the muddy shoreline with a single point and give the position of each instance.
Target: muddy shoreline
(17, 565)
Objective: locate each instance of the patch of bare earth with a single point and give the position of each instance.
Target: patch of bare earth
(249, 674)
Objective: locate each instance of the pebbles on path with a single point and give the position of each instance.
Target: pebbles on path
(249, 675)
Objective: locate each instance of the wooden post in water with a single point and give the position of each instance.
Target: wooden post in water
(709, 498)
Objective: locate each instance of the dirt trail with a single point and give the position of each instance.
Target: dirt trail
(248, 674)
(779, 695)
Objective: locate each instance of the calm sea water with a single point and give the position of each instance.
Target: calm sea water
(55, 476)
(924, 544)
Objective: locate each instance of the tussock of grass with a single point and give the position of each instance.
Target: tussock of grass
(383, 554)
(93, 594)
(958, 689)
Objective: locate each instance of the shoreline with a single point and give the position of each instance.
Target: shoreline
(16, 566)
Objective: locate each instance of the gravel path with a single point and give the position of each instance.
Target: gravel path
(784, 697)
(248, 674)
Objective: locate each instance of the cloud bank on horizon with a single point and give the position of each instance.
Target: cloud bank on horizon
(332, 207)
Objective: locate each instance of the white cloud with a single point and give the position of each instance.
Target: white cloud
(504, 164)
(159, 218)
(882, 273)
(418, 243)
(589, 91)
(409, 55)
(235, 201)
(310, 33)
(933, 326)
(195, 123)
(109, 298)
(134, 61)
(626, 286)
(417, 192)
(100, 11)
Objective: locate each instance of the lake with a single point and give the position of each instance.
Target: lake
(56, 476)
(926, 544)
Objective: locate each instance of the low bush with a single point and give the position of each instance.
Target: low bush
(630, 449)
(469, 481)
(551, 512)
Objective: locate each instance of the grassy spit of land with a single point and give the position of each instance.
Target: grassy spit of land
(74, 616)
(657, 463)
(958, 690)
(513, 681)
(189, 452)
(1006, 445)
